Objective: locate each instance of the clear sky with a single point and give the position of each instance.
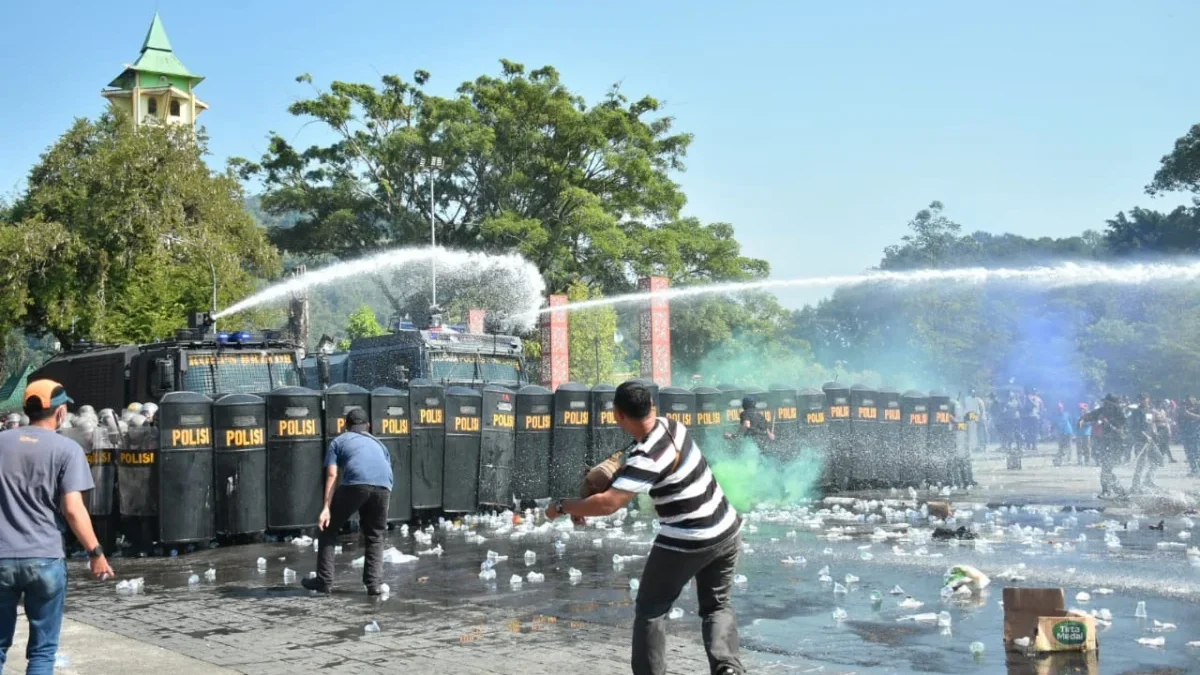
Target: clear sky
(821, 127)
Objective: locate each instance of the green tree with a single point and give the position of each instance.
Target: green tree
(1180, 168)
(936, 241)
(595, 353)
(362, 324)
(119, 232)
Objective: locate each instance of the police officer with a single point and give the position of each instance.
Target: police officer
(753, 425)
(1108, 442)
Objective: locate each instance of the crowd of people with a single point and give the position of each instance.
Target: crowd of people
(1105, 433)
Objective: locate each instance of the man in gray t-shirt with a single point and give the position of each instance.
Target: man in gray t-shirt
(42, 479)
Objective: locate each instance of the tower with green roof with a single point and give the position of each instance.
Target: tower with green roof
(157, 88)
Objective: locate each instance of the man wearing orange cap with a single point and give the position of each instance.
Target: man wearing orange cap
(42, 479)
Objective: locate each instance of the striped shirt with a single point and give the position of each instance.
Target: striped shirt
(692, 509)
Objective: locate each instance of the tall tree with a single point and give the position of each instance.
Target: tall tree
(1180, 168)
(595, 353)
(120, 232)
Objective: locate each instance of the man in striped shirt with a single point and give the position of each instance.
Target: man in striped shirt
(700, 534)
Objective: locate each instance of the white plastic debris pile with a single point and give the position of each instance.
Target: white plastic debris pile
(303, 540)
(535, 577)
(515, 580)
(131, 586)
(574, 574)
(194, 580)
(210, 575)
(909, 602)
(1152, 642)
(436, 550)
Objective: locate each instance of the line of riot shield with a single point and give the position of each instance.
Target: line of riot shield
(962, 444)
(785, 420)
(464, 429)
(295, 458)
(891, 422)
(531, 468)
(837, 408)
(941, 438)
(812, 439)
(428, 443)
(731, 396)
(606, 436)
(914, 439)
(339, 400)
(497, 447)
(568, 456)
(866, 470)
(185, 468)
(240, 456)
(101, 501)
(677, 403)
(390, 423)
(709, 429)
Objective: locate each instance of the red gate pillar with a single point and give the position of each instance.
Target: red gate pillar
(655, 322)
(556, 356)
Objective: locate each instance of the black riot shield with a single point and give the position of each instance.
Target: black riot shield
(785, 420)
(891, 421)
(837, 414)
(678, 404)
(531, 467)
(390, 424)
(185, 468)
(569, 454)
(339, 400)
(962, 444)
(240, 456)
(864, 463)
(709, 427)
(606, 437)
(464, 429)
(813, 439)
(497, 447)
(295, 458)
(137, 467)
(914, 438)
(731, 406)
(428, 443)
(941, 438)
(101, 501)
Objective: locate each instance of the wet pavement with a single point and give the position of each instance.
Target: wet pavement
(442, 618)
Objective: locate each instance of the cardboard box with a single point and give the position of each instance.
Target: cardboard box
(1040, 614)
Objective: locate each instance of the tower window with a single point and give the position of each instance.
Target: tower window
(174, 108)
(152, 106)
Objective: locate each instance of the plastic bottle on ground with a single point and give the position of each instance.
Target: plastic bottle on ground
(193, 580)
(839, 614)
(372, 627)
(634, 584)
(676, 613)
(262, 564)
(740, 579)
(1140, 612)
(977, 649)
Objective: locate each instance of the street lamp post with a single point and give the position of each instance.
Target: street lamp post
(430, 166)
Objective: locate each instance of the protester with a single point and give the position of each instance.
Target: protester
(1083, 440)
(42, 479)
(365, 466)
(700, 536)
(1065, 434)
(1109, 434)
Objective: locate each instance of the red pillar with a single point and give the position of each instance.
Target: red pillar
(475, 321)
(556, 359)
(655, 331)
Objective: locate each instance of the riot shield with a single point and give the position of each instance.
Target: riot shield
(891, 421)
(464, 429)
(606, 437)
(390, 424)
(837, 412)
(864, 463)
(914, 439)
(677, 403)
(339, 400)
(101, 501)
(137, 466)
(428, 443)
(240, 455)
(785, 420)
(295, 458)
(941, 437)
(812, 438)
(731, 406)
(709, 427)
(962, 444)
(185, 468)
(531, 467)
(497, 447)
(569, 453)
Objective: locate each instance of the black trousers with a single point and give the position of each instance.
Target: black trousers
(370, 502)
(663, 579)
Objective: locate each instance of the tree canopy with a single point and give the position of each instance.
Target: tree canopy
(119, 233)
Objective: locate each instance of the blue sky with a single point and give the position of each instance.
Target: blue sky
(820, 127)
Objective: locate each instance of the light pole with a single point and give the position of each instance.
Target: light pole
(434, 164)
(168, 241)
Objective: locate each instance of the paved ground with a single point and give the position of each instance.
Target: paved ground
(447, 622)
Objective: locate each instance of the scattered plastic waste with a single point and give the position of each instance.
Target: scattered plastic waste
(740, 579)
(851, 579)
(634, 584)
(535, 577)
(384, 590)
(824, 571)
(574, 574)
(1082, 597)
(337, 550)
(676, 613)
(928, 617)
(943, 619)
(303, 540)
(1103, 591)
(393, 556)
(515, 580)
(1104, 614)
(896, 590)
(876, 597)
(560, 547)
(966, 575)
(1152, 642)
(488, 574)
(1022, 642)
(372, 627)
(866, 555)
(1163, 627)
(798, 560)
(530, 557)
(824, 578)
(838, 588)
(839, 614)
(194, 580)
(130, 586)
(210, 575)
(909, 602)
(827, 551)
(977, 649)
(289, 575)
(262, 564)
(436, 550)
(1140, 612)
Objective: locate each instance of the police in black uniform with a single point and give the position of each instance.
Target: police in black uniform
(753, 425)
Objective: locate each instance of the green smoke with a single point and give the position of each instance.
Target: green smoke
(749, 478)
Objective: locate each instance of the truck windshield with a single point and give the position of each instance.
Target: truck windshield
(216, 374)
(469, 367)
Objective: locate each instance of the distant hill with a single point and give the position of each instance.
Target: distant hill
(254, 207)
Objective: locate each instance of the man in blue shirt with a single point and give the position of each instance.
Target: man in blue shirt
(366, 487)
